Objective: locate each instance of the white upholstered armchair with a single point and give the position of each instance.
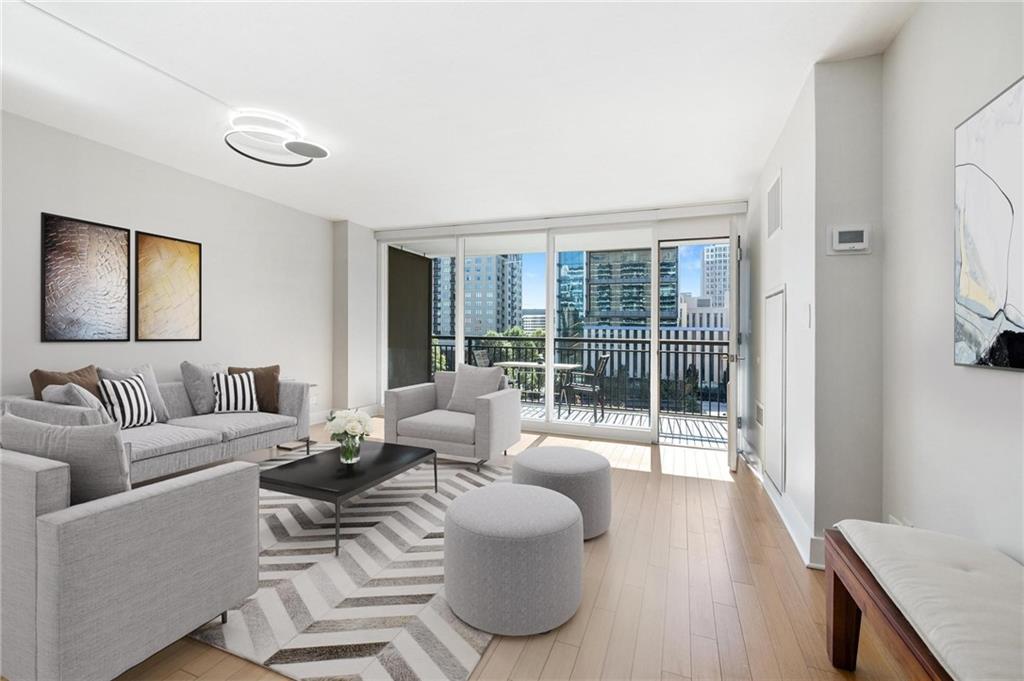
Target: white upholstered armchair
(417, 415)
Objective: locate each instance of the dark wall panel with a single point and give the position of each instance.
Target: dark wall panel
(409, 286)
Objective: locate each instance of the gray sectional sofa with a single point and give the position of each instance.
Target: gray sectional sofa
(89, 590)
(188, 440)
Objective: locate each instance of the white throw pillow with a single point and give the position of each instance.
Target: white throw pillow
(472, 382)
(234, 393)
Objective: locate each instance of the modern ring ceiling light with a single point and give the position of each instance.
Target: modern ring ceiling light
(270, 138)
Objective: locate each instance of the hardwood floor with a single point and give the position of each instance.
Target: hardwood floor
(696, 579)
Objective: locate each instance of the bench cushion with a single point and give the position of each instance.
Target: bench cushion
(165, 438)
(441, 425)
(234, 426)
(962, 598)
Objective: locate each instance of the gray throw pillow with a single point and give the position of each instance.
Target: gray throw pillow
(472, 382)
(76, 396)
(148, 379)
(198, 380)
(96, 455)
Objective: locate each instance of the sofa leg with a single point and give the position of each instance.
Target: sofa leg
(224, 617)
(506, 453)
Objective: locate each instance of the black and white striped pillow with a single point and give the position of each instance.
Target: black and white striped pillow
(234, 392)
(127, 401)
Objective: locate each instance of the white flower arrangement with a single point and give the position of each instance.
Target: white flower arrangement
(348, 427)
(351, 422)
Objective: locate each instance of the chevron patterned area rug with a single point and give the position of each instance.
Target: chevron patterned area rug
(377, 611)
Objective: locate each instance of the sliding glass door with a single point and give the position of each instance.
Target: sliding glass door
(602, 318)
(693, 346)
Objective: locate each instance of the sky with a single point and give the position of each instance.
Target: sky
(690, 259)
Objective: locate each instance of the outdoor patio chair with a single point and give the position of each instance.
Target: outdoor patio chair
(587, 383)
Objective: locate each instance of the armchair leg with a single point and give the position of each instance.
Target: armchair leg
(224, 617)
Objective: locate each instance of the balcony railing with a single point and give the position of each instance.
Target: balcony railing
(694, 372)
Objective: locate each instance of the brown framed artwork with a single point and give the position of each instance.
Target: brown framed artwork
(84, 282)
(168, 288)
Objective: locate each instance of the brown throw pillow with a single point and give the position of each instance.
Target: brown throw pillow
(87, 377)
(267, 379)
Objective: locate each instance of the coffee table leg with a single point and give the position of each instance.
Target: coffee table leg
(435, 472)
(337, 527)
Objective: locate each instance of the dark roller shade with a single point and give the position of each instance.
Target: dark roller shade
(409, 288)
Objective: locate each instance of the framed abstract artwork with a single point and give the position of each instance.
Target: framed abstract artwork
(84, 281)
(988, 255)
(168, 288)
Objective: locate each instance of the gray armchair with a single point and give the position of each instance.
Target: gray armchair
(90, 590)
(416, 415)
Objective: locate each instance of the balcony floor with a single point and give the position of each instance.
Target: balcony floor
(682, 431)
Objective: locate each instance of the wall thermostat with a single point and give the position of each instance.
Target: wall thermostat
(851, 239)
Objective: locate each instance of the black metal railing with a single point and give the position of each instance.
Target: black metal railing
(693, 377)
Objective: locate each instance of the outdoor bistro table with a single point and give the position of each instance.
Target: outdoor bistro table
(559, 368)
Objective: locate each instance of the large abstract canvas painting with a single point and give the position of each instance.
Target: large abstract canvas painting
(989, 246)
(84, 280)
(168, 288)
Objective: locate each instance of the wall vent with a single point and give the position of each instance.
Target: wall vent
(773, 206)
(759, 413)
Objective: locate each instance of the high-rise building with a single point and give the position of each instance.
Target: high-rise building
(493, 293)
(443, 304)
(600, 288)
(570, 305)
(618, 287)
(714, 282)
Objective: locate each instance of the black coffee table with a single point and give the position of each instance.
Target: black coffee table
(322, 476)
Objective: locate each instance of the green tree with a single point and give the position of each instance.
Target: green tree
(438, 361)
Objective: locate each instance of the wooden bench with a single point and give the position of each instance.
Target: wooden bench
(854, 592)
(966, 597)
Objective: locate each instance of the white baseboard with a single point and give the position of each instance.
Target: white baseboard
(817, 560)
(797, 527)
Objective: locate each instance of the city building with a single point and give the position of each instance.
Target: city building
(571, 303)
(493, 294)
(700, 312)
(618, 287)
(613, 288)
(442, 305)
(533, 320)
(715, 274)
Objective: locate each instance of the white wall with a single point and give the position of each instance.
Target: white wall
(266, 268)
(829, 156)
(356, 346)
(953, 436)
(848, 295)
(787, 258)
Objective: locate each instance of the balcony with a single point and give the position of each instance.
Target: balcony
(693, 375)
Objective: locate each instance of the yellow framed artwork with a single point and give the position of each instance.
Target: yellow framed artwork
(168, 288)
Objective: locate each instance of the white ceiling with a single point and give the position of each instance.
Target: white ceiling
(442, 113)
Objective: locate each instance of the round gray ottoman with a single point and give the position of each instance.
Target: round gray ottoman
(584, 477)
(513, 559)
